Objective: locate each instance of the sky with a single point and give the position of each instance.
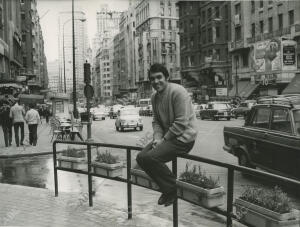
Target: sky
(48, 11)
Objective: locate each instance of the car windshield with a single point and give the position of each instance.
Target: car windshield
(297, 121)
(129, 112)
(220, 106)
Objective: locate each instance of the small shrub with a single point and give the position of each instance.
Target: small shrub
(72, 152)
(273, 199)
(106, 157)
(198, 178)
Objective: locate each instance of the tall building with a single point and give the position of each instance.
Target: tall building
(10, 40)
(34, 59)
(157, 40)
(204, 36)
(264, 47)
(53, 74)
(66, 50)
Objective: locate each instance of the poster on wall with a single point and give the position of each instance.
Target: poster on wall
(267, 56)
(289, 60)
(59, 107)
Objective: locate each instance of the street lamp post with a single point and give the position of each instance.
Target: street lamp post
(64, 64)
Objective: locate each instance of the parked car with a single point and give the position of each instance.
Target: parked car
(98, 114)
(216, 110)
(128, 118)
(198, 108)
(270, 137)
(243, 109)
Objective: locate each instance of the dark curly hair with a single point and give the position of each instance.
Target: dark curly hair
(157, 67)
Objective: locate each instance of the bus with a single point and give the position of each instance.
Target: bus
(144, 102)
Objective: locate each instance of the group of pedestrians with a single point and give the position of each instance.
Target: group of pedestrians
(12, 115)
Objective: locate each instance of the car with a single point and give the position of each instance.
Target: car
(270, 136)
(142, 111)
(128, 118)
(216, 110)
(114, 111)
(98, 114)
(243, 108)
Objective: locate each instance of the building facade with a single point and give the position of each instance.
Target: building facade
(53, 74)
(157, 41)
(265, 46)
(204, 35)
(66, 51)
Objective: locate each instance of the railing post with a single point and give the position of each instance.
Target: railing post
(175, 204)
(229, 196)
(90, 184)
(55, 170)
(129, 186)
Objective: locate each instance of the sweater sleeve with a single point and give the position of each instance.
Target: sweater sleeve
(158, 131)
(181, 104)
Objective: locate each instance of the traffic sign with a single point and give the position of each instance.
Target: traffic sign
(88, 91)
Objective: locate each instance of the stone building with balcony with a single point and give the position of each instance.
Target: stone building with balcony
(10, 40)
(157, 41)
(264, 46)
(204, 35)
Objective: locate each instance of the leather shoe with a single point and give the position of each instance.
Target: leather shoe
(170, 199)
(162, 199)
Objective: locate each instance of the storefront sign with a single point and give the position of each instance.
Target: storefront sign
(221, 91)
(21, 78)
(289, 60)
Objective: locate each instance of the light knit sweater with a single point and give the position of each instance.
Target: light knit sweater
(173, 114)
(32, 117)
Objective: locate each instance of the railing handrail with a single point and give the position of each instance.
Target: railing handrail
(230, 176)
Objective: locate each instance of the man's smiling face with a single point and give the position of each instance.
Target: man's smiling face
(158, 81)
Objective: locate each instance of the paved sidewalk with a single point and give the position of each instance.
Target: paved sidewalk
(44, 145)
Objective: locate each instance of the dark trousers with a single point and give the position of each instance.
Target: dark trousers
(152, 161)
(18, 125)
(7, 132)
(32, 134)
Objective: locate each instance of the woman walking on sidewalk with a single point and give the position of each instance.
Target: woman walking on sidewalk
(32, 118)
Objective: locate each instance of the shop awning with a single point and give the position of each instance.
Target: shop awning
(245, 89)
(293, 87)
(31, 98)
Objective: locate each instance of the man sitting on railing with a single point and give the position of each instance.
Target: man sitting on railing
(174, 126)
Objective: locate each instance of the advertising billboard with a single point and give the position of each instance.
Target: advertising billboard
(289, 59)
(267, 56)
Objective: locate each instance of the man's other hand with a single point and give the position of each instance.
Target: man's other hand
(157, 142)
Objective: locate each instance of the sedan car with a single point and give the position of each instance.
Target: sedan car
(216, 110)
(243, 108)
(128, 118)
(98, 114)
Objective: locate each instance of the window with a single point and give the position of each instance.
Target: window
(226, 11)
(170, 24)
(238, 33)
(23, 16)
(217, 12)
(191, 23)
(270, 23)
(281, 121)
(261, 26)
(261, 118)
(280, 21)
(237, 9)
(253, 30)
(245, 59)
(209, 34)
(226, 33)
(217, 31)
(252, 6)
(218, 54)
(162, 11)
(209, 14)
(291, 17)
(236, 61)
(296, 114)
(162, 25)
(261, 4)
(203, 16)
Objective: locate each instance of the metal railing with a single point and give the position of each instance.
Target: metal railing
(230, 177)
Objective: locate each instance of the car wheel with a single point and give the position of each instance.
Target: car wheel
(141, 128)
(103, 118)
(244, 161)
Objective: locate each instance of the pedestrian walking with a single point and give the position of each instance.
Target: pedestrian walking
(47, 114)
(174, 131)
(17, 114)
(6, 122)
(32, 118)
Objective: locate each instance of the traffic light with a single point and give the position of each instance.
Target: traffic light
(87, 73)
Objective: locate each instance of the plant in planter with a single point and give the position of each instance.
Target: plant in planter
(196, 187)
(72, 159)
(266, 207)
(139, 177)
(107, 164)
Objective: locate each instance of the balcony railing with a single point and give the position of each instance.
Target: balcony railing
(228, 213)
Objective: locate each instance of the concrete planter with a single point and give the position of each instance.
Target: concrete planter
(139, 177)
(255, 215)
(72, 162)
(109, 170)
(204, 197)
